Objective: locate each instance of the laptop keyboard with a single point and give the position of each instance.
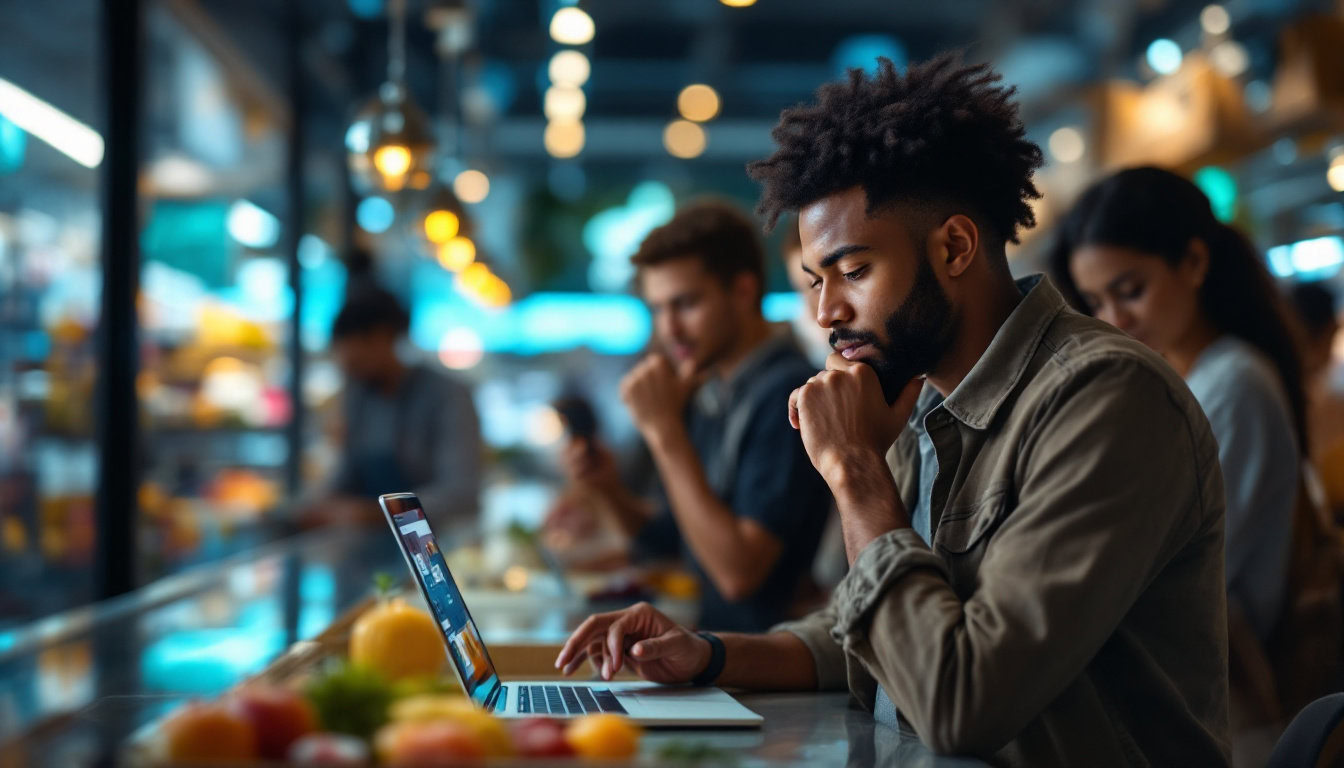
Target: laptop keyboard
(566, 700)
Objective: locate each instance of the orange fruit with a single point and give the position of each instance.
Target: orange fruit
(203, 733)
(398, 641)
(603, 735)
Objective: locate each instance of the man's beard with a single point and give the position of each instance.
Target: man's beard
(918, 334)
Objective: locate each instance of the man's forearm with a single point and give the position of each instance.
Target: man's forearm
(773, 662)
(709, 527)
(632, 512)
(868, 503)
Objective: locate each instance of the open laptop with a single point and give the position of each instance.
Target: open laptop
(646, 703)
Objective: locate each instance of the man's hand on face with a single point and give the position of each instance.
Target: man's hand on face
(844, 418)
(587, 461)
(657, 648)
(656, 395)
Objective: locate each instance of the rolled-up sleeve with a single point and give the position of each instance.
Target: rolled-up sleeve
(828, 658)
(881, 563)
(1108, 488)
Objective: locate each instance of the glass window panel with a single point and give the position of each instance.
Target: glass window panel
(50, 285)
(215, 301)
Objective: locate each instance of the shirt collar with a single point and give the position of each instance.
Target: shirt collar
(978, 397)
(717, 393)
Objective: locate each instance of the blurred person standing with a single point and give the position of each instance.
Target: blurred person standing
(407, 426)
(742, 501)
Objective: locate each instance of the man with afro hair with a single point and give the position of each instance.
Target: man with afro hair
(1031, 501)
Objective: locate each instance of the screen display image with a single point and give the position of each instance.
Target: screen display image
(445, 601)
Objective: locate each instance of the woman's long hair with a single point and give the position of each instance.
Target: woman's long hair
(1155, 211)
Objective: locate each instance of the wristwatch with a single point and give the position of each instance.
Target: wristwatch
(712, 670)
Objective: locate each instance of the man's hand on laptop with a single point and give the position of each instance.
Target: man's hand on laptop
(657, 648)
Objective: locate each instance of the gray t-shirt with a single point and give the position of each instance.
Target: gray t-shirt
(1246, 405)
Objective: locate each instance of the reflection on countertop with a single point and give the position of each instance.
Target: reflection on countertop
(78, 683)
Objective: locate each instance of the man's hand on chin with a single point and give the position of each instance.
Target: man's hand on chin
(656, 395)
(847, 427)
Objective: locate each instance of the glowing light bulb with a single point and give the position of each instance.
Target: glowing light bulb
(571, 26)
(1215, 20)
(441, 226)
(456, 254)
(564, 138)
(684, 139)
(1335, 176)
(473, 277)
(698, 102)
(393, 160)
(1067, 145)
(564, 102)
(569, 68)
(471, 186)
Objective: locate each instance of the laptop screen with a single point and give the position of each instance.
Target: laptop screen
(445, 600)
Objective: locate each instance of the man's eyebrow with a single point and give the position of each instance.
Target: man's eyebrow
(840, 253)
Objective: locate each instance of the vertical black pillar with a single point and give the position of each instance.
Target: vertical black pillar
(294, 180)
(122, 88)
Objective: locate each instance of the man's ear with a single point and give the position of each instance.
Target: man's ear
(746, 290)
(955, 243)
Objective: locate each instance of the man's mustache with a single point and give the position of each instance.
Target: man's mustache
(841, 335)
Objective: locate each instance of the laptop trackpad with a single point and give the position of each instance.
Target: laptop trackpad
(706, 703)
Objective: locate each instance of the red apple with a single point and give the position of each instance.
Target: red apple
(540, 737)
(278, 716)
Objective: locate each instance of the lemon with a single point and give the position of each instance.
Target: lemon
(398, 641)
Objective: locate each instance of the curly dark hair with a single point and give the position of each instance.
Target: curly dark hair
(944, 136)
(712, 230)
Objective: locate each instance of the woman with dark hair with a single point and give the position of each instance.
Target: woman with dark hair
(1143, 251)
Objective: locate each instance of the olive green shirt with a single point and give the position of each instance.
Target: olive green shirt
(1071, 610)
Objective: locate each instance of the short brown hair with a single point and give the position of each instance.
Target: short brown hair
(714, 231)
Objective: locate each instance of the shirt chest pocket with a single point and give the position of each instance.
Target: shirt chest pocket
(964, 532)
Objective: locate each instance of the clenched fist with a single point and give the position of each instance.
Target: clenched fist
(656, 395)
(843, 415)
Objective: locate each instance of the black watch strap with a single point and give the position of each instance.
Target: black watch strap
(712, 671)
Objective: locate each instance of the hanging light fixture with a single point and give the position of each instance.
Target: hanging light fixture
(390, 145)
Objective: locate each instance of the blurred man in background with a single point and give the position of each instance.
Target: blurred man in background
(407, 427)
(742, 501)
